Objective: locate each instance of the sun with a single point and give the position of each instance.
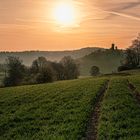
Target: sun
(65, 14)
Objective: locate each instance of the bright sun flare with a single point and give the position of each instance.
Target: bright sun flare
(65, 14)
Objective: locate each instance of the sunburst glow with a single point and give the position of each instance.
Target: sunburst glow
(65, 14)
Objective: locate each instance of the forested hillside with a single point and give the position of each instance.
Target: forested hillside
(29, 56)
(107, 60)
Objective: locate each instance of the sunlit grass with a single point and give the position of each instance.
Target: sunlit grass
(48, 111)
(120, 113)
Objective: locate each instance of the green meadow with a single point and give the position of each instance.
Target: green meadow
(62, 110)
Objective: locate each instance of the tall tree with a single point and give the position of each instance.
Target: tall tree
(58, 70)
(133, 53)
(70, 68)
(42, 71)
(132, 59)
(136, 49)
(15, 71)
(39, 64)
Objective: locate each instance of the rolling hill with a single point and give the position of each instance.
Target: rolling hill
(29, 56)
(107, 60)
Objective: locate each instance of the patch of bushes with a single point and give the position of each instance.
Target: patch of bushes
(41, 71)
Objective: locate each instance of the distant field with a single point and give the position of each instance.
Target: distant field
(107, 61)
(62, 110)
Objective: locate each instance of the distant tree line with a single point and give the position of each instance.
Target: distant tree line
(41, 71)
(2, 67)
(132, 56)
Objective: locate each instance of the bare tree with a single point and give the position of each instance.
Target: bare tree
(133, 53)
(132, 59)
(70, 68)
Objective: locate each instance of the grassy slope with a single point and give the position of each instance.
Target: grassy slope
(107, 61)
(49, 111)
(1, 77)
(120, 113)
(135, 80)
(61, 110)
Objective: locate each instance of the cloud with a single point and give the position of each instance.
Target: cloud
(112, 8)
(123, 9)
(33, 20)
(127, 6)
(124, 15)
(21, 26)
(116, 5)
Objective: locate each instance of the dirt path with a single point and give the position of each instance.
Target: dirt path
(91, 133)
(134, 91)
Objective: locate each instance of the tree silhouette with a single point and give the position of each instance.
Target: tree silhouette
(132, 59)
(70, 68)
(15, 71)
(94, 71)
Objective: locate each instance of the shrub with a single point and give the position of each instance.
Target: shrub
(15, 72)
(94, 71)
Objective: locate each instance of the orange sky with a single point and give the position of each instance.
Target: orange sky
(31, 25)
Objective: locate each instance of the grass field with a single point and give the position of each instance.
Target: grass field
(120, 113)
(136, 81)
(62, 110)
(52, 111)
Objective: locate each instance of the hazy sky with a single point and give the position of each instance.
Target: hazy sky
(31, 24)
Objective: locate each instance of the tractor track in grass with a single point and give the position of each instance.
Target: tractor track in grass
(134, 91)
(91, 132)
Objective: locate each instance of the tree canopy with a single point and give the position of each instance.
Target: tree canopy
(132, 56)
(94, 71)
